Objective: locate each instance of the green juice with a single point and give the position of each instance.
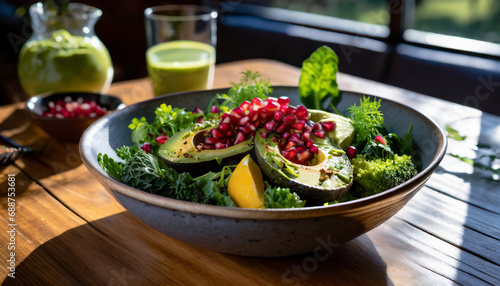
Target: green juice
(64, 63)
(180, 66)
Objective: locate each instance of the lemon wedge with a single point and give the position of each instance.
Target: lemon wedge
(246, 187)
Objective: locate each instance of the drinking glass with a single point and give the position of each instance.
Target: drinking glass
(181, 47)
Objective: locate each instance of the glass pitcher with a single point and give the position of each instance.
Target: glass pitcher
(64, 54)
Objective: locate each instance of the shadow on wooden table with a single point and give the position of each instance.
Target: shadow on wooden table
(119, 250)
(58, 156)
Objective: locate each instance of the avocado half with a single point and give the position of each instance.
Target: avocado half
(330, 173)
(179, 151)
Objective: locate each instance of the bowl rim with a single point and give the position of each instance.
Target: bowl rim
(37, 100)
(407, 188)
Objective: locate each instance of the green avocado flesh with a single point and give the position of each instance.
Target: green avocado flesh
(344, 130)
(329, 174)
(179, 151)
(307, 181)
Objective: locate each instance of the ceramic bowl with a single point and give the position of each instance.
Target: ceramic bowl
(267, 232)
(68, 129)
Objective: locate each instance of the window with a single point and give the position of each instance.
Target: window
(470, 26)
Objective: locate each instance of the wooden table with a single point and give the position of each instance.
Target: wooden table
(69, 231)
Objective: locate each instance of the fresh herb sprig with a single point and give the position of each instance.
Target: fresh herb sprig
(251, 85)
(168, 121)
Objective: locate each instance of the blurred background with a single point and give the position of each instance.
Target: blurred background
(448, 49)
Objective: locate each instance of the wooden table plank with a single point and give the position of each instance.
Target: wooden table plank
(87, 237)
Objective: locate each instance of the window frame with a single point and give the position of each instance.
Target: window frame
(396, 32)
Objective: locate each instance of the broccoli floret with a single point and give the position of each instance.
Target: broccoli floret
(376, 175)
(276, 197)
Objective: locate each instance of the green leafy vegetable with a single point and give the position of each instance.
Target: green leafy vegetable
(141, 170)
(144, 171)
(367, 121)
(453, 134)
(318, 79)
(250, 86)
(114, 169)
(168, 121)
(277, 197)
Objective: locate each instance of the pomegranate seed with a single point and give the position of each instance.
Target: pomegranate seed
(253, 114)
(245, 129)
(238, 112)
(229, 119)
(380, 139)
(314, 149)
(296, 138)
(214, 109)
(285, 135)
(200, 119)
(289, 153)
(317, 126)
(229, 134)
(257, 103)
(301, 112)
(240, 137)
(282, 128)
(263, 113)
(300, 149)
(216, 134)
(351, 152)
(308, 128)
(243, 120)
(309, 143)
(290, 144)
(319, 133)
(197, 109)
(146, 147)
(269, 126)
(289, 118)
(211, 141)
(251, 126)
(283, 109)
(161, 139)
(302, 157)
(328, 126)
(278, 116)
(263, 135)
(298, 126)
(245, 105)
(306, 135)
(224, 127)
(220, 145)
(283, 100)
(272, 106)
(291, 110)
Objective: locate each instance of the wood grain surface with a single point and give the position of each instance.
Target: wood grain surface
(70, 231)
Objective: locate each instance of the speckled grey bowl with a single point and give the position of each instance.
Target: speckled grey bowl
(270, 232)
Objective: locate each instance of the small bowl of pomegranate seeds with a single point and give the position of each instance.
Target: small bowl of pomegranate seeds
(66, 116)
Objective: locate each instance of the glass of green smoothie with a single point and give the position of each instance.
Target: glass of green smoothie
(181, 47)
(64, 54)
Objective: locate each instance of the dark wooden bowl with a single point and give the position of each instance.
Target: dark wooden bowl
(261, 232)
(68, 129)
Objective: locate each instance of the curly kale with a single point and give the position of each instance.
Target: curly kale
(144, 171)
(372, 176)
(277, 197)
